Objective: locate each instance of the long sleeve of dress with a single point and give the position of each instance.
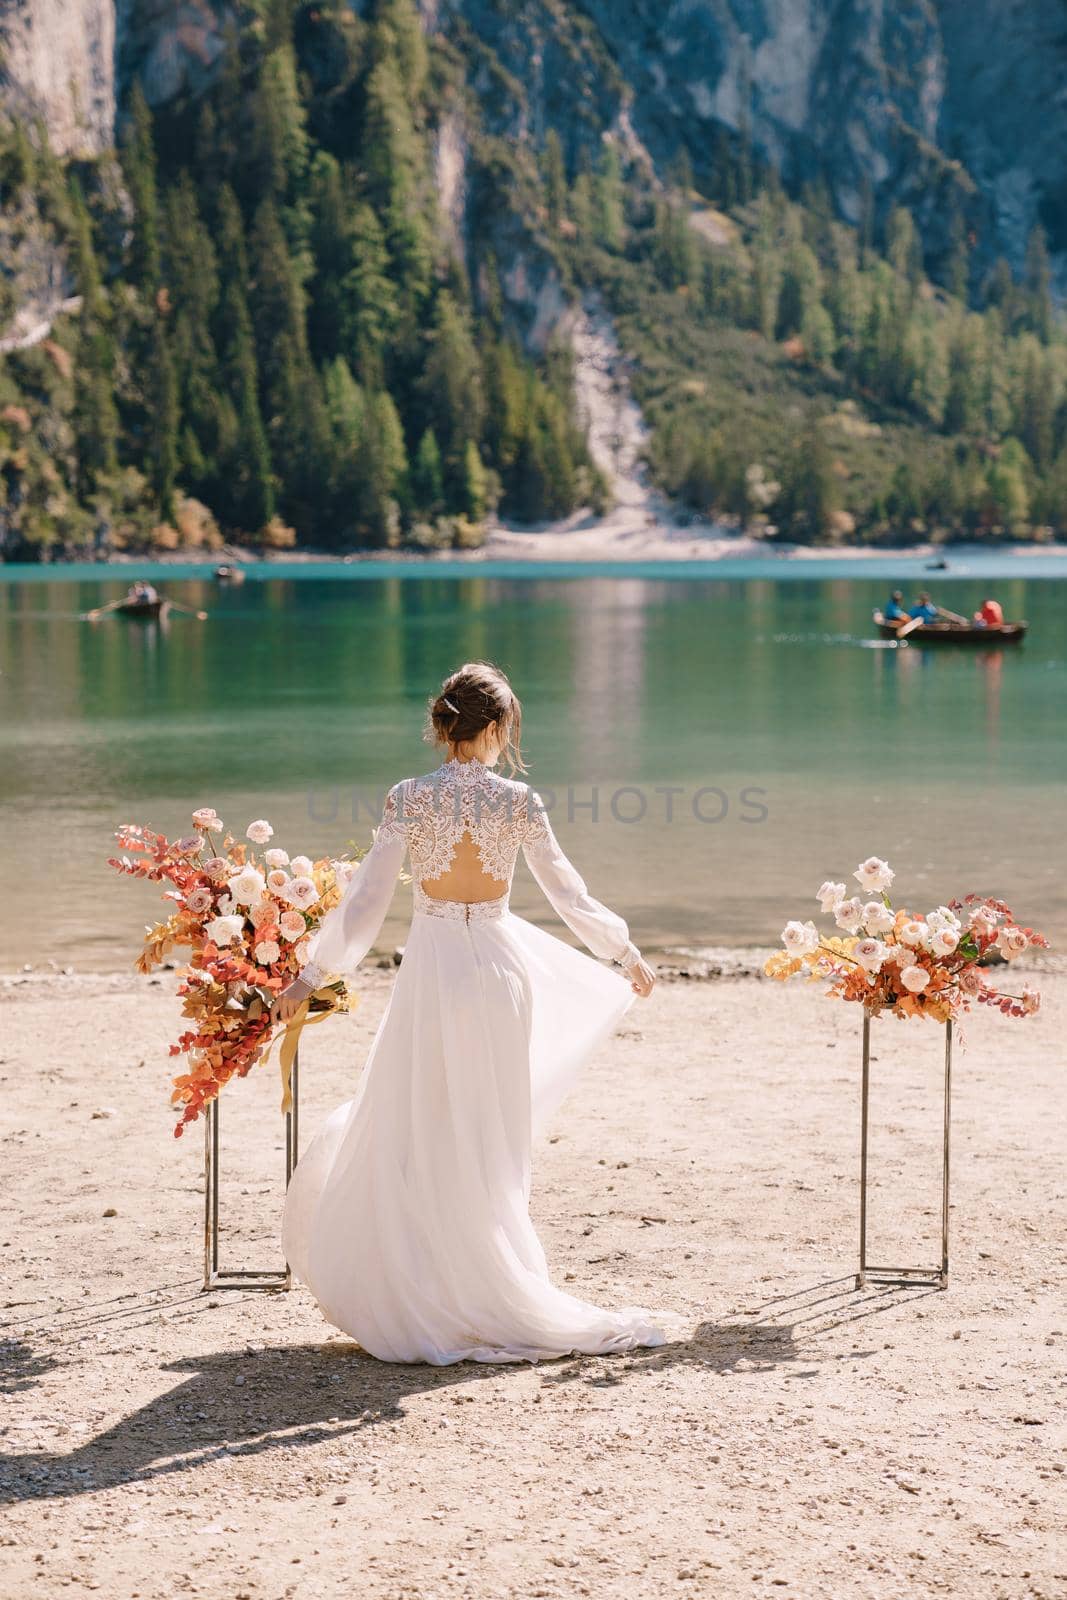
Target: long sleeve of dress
(603, 932)
(347, 932)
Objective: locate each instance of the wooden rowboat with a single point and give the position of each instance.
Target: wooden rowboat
(144, 608)
(933, 633)
(132, 605)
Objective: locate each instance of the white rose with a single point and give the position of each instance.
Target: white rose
(344, 871)
(207, 819)
(1011, 942)
(830, 895)
(914, 979)
(913, 934)
(848, 914)
(301, 892)
(276, 858)
(943, 918)
(226, 904)
(277, 880)
(984, 919)
(224, 930)
(943, 941)
(877, 917)
(874, 874)
(267, 951)
(259, 832)
(800, 937)
(292, 924)
(247, 885)
(301, 866)
(870, 953)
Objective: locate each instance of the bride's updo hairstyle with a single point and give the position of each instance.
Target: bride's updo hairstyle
(477, 694)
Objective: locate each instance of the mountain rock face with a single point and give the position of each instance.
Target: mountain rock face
(1004, 113)
(951, 107)
(945, 106)
(57, 62)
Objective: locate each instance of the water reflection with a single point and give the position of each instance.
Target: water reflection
(317, 687)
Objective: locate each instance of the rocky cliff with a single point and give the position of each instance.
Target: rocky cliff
(57, 62)
(942, 105)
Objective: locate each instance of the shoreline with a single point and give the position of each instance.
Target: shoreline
(673, 963)
(575, 544)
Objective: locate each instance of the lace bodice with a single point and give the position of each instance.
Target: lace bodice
(426, 818)
(461, 797)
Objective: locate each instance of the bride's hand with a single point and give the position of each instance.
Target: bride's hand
(286, 1005)
(642, 977)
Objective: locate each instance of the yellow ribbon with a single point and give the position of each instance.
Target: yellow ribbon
(290, 1038)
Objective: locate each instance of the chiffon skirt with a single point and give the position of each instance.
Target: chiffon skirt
(407, 1216)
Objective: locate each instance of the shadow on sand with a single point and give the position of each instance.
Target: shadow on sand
(236, 1403)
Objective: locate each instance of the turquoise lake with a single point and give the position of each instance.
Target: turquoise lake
(713, 740)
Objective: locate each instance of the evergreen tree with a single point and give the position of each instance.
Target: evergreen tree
(609, 204)
(555, 176)
(427, 482)
(453, 390)
(371, 310)
(959, 260)
(766, 273)
(280, 147)
(904, 247)
(246, 487)
(277, 304)
(475, 499)
(95, 416)
(1036, 406)
(809, 497)
(1038, 284)
(165, 421)
(139, 170)
(801, 289)
(382, 471)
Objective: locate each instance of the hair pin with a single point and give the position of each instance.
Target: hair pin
(449, 704)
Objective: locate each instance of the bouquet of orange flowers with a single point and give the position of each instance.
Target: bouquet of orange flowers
(905, 963)
(247, 921)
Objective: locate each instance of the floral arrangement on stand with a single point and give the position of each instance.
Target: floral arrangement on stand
(247, 921)
(905, 963)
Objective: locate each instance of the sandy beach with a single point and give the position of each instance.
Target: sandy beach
(797, 1436)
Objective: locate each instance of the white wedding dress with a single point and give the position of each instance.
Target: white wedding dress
(407, 1217)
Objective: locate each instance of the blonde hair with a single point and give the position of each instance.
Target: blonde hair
(472, 697)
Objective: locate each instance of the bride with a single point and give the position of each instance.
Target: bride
(408, 1215)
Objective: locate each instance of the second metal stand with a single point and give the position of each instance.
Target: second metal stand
(216, 1277)
(936, 1277)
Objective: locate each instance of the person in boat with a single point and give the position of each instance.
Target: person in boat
(924, 609)
(991, 615)
(894, 610)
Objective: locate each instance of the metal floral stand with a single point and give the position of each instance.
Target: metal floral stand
(216, 1277)
(935, 1277)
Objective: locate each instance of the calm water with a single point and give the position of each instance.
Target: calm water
(741, 736)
